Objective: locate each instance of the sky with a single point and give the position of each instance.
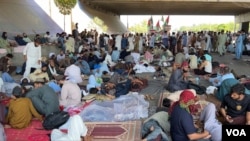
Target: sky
(177, 21)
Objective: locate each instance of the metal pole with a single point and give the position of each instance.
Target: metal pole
(50, 8)
(127, 22)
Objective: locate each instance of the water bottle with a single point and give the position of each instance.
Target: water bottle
(197, 79)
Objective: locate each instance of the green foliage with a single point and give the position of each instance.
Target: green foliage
(212, 27)
(65, 6)
(97, 23)
(140, 27)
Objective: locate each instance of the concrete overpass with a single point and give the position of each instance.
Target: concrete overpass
(17, 16)
(171, 7)
(238, 8)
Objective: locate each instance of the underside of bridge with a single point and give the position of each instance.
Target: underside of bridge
(171, 7)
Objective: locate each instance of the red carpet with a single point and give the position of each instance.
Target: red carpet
(100, 131)
(115, 131)
(28, 134)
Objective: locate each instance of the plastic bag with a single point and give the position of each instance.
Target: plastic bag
(125, 108)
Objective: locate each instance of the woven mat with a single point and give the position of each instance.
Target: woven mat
(115, 131)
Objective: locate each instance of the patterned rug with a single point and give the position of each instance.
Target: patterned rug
(115, 131)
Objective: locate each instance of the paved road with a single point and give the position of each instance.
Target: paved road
(239, 66)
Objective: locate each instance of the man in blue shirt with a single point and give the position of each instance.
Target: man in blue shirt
(181, 120)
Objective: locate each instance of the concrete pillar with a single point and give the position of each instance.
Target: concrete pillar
(245, 26)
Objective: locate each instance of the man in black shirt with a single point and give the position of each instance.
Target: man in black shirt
(235, 107)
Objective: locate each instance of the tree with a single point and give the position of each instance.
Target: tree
(65, 7)
(210, 27)
(140, 27)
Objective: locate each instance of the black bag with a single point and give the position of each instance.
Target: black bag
(55, 120)
(199, 89)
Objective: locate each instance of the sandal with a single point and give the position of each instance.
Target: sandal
(151, 97)
(146, 97)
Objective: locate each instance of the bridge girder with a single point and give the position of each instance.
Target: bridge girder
(170, 7)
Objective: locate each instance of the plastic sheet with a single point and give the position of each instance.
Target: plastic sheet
(125, 108)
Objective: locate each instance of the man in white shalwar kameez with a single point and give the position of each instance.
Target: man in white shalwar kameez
(76, 130)
(118, 42)
(32, 55)
(131, 42)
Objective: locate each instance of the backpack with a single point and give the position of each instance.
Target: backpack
(55, 120)
(200, 90)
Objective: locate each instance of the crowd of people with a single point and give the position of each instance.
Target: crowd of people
(56, 81)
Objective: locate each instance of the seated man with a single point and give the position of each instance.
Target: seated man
(100, 68)
(148, 55)
(178, 79)
(19, 40)
(224, 74)
(92, 83)
(115, 55)
(6, 76)
(136, 55)
(181, 117)
(44, 98)
(40, 73)
(205, 67)
(5, 61)
(129, 58)
(20, 110)
(167, 58)
(70, 92)
(53, 70)
(83, 65)
(235, 107)
(73, 72)
(26, 38)
(210, 122)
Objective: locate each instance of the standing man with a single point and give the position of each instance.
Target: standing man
(152, 40)
(173, 42)
(165, 39)
(32, 55)
(222, 39)
(239, 46)
(118, 42)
